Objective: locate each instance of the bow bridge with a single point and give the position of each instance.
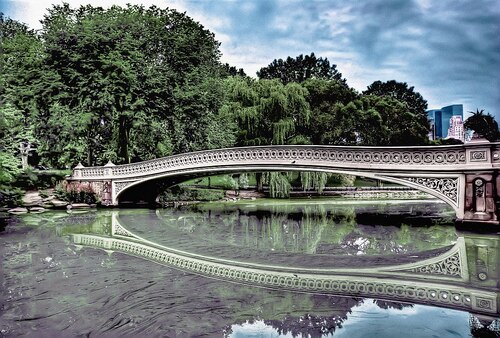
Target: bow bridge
(464, 176)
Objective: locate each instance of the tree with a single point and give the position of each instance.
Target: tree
(483, 125)
(10, 125)
(384, 120)
(266, 111)
(330, 122)
(400, 91)
(414, 102)
(20, 60)
(228, 70)
(115, 75)
(200, 123)
(20, 54)
(300, 69)
(10, 28)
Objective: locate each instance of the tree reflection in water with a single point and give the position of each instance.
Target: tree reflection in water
(311, 229)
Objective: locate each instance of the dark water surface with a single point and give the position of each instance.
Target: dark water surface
(277, 269)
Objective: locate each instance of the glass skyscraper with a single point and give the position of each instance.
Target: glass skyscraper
(440, 119)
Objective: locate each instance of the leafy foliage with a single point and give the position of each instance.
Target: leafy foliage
(266, 111)
(300, 69)
(181, 193)
(483, 125)
(119, 82)
(401, 91)
(413, 101)
(132, 83)
(10, 196)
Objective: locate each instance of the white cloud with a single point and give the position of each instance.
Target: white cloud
(338, 20)
(448, 50)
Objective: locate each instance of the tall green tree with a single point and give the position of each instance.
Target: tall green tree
(328, 94)
(415, 103)
(387, 121)
(20, 55)
(20, 59)
(199, 121)
(300, 69)
(266, 111)
(331, 121)
(10, 125)
(117, 70)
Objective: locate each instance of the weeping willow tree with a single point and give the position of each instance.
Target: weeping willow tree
(279, 184)
(314, 180)
(268, 112)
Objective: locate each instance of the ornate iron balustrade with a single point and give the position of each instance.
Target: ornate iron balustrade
(386, 158)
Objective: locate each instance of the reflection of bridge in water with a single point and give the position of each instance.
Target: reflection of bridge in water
(465, 277)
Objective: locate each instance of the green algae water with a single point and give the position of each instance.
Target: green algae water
(312, 268)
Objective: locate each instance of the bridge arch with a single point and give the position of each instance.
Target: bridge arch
(447, 196)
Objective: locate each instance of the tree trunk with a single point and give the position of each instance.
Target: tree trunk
(123, 138)
(89, 156)
(90, 149)
(259, 182)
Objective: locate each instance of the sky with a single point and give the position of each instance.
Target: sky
(448, 50)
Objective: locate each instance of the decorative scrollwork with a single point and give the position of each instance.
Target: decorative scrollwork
(483, 303)
(121, 231)
(444, 185)
(119, 186)
(275, 278)
(479, 187)
(478, 155)
(450, 266)
(326, 156)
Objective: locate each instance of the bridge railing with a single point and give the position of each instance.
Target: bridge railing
(447, 158)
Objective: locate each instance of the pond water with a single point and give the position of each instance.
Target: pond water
(313, 268)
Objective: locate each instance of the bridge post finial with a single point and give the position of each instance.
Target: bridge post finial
(108, 171)
(77, 171)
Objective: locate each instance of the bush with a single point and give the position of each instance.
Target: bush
(60, 190)
(10, 197)
(30, 179)
(75, 193)
(208, 194)
(27, 179)
(181, 193)
(228, 183)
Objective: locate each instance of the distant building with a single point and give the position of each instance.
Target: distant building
(439, 120)
(456, 129)
(468, 135)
